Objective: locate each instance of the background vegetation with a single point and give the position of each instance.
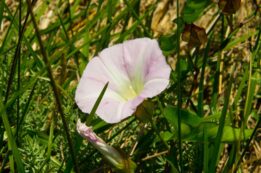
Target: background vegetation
(208, 120)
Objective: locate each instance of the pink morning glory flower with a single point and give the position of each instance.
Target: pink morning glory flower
(135, 70)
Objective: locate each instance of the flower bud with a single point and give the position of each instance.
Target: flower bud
(110, 153)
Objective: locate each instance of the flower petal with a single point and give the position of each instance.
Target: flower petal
(145, 61)
(114, 111)
(154, 87)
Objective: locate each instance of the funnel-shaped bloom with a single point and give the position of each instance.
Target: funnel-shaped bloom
(135, 70)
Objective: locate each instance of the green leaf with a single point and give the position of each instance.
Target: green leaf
(214, 119)
(193, 9)
(168, 43)
(230, 134)
(192, 127)
(166, 136)
(187, 117)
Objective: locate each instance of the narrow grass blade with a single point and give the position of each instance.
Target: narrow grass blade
(231, 158)
(18, 54)
(206, 150)
(250, 90)
(1, 11)
(95, 107)
(248, 105)
(242, 85)
(179, 92)
(136, 16)
(50, 144)
(214, 97)
(8, 30)
(15, 24)
(11, 159)
(105, 38)
(247, 145)
(202, 76)
(11, 140)
(217, 142)
(239, 40)
(26, 107)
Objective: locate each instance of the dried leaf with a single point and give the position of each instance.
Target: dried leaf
(194, 35)
(229, 6)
